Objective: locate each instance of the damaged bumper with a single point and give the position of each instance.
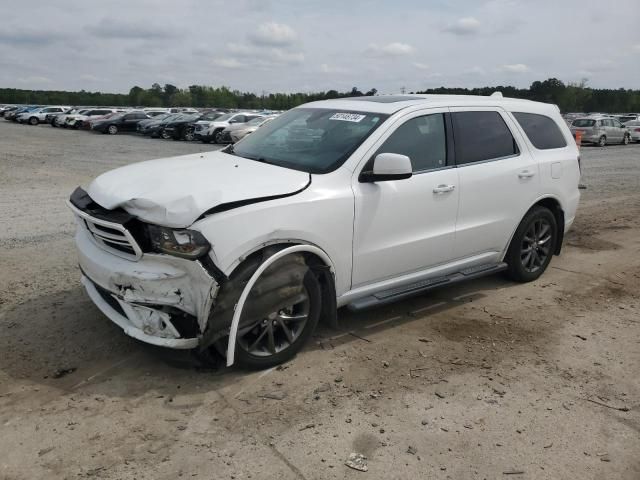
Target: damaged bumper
(158, 299)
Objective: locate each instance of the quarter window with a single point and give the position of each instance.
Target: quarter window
(481, 136)
(542, 131)
(422, 139)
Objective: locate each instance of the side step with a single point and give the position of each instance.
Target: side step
(399, 293)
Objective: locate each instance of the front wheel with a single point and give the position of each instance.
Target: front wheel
(112, 129)
(602, 141)
(279, 316)
(33, 121)
(532, 245)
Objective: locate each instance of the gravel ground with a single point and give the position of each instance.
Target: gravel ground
(486, 380)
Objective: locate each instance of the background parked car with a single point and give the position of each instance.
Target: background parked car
(177, 128)
(600, 130)
(240, 130)
(13, 114)
(59, 119)
(213, 131)
(153, 127)
(634, 130)
(6, 108)
(123, 122)
(34, 117)
(75, 120)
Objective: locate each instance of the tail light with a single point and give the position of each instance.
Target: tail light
(636, 130)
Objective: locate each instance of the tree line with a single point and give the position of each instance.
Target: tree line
(571, 97)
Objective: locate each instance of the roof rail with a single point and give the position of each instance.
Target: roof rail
(497, 94)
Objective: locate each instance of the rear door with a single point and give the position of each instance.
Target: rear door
(499, 181)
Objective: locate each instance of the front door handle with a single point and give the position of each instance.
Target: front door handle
(526, 174)
(444, 188)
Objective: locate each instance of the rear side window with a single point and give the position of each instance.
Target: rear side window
(542, 131)
(481, 136)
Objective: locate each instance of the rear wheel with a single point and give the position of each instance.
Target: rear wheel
(602, 141)
(112, 129)
(532, 245)
(626, 140)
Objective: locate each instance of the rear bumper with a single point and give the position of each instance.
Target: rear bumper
(159, 299)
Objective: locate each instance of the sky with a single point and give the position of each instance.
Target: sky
(307, 45)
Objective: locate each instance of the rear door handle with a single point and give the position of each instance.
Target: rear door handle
(444, 188)
(526, 174)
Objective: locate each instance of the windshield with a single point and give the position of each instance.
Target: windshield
(211, 116)
(313, 140)
(225, 117)
(584, 122)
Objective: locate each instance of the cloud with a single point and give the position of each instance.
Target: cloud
(636, 47)
(475, 71)
(34, 80)
(421, 66)
(515, 68)
(395, 49)
(119, 29)
(464, 26)
(13, 37)
(327, 68)
(90, 78)
(227, 62)
(274, 34)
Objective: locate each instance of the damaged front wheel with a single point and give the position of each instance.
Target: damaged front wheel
(278, 335)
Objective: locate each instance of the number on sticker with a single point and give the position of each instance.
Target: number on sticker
(347, 117)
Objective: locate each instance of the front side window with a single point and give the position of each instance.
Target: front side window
(542, 131)
(481, 136)
(422, 139)
(314, 140)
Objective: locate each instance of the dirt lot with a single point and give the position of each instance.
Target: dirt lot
(487, 380)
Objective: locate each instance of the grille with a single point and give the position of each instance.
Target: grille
(111, 236)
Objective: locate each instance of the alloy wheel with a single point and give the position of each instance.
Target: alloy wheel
(536, 245)
(277, 331)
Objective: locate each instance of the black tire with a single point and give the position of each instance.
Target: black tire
(112, 129)
(247, 360)
(626, 140)
(532, 246)
(34, 121)
(602, 141)
(217, 136)
(164, 135)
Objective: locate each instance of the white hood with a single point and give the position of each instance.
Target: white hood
(175, 192)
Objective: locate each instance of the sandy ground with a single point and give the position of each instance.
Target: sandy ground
(486, 380)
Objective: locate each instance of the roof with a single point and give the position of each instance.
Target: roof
(389, 104)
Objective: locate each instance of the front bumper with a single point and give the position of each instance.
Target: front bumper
(159, 299)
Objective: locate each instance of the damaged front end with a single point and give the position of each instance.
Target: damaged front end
(158, 298)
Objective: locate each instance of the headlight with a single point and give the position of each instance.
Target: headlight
(179, 243)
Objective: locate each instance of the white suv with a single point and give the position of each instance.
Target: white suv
(350, 202)
(38, 116)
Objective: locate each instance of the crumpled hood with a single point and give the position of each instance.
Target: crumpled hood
(176, 191)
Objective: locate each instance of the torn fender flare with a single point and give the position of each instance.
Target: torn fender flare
(233, 331)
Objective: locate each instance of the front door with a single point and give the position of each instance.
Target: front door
(403, 226)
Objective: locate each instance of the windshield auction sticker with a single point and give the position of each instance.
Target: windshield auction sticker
(347, 117)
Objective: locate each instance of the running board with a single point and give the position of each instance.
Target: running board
(400, 293)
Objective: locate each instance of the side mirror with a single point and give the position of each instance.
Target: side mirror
(386, 167)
